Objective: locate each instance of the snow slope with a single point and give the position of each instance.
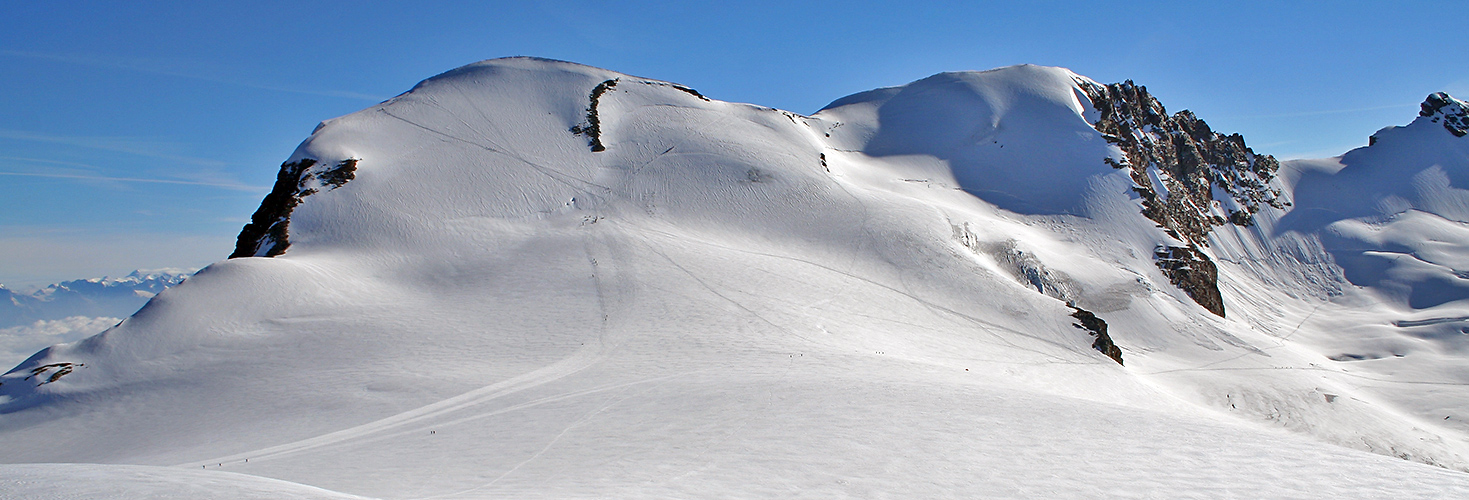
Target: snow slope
(541, 279)
(1378, 232)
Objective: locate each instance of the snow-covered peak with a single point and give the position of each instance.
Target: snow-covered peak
(1440, 107)
(1423, 165)
(1442, 122)
(1014, 136)
(92, 297)
(484, 72)
(149, 281)
(959, 105)
(1393, 213)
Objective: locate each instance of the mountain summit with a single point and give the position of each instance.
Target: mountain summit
(532, 278)
(1443, 108)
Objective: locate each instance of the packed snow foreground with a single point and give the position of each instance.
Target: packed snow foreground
(534, 279)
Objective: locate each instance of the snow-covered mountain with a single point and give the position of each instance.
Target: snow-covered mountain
(72, 310)
(87, 297)
(530, 278)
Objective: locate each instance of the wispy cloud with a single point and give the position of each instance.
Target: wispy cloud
(56, 169)
(49, 162)
(165, 70)
(225, 185)
(128, 145)
(1325, 112)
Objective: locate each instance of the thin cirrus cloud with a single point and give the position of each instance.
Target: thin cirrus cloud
(81, 172)
(115, 144)
(1326, 112)
(232, 186)
(157, 70)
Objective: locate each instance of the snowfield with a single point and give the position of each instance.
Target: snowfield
(879, 300)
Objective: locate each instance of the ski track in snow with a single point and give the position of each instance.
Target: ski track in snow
(982, 325)
(578, 423)
(578, 361)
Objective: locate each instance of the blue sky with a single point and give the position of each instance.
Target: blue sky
(143, 136)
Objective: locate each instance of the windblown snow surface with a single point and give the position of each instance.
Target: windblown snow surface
(733, 301)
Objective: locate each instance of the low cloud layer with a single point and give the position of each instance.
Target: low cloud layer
(20, 342)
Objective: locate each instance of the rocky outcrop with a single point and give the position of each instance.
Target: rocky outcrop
(1177, 163)
(1192, 271)
(689, 91)
(1190, 178)
(49, 373)
(56, 371)
(592, 128)
(1452, 113)
(267, 234)
(1098, 328)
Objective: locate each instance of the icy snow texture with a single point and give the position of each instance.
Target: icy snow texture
(736, 301)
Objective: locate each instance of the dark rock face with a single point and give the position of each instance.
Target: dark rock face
(1193, 272)
(267, 233)
(688, 91)
(1098, 328)
(1191, 161)
(1453, 113)
(593, 127)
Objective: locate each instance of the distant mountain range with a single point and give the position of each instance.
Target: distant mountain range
(71, 310)
(109, 297)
